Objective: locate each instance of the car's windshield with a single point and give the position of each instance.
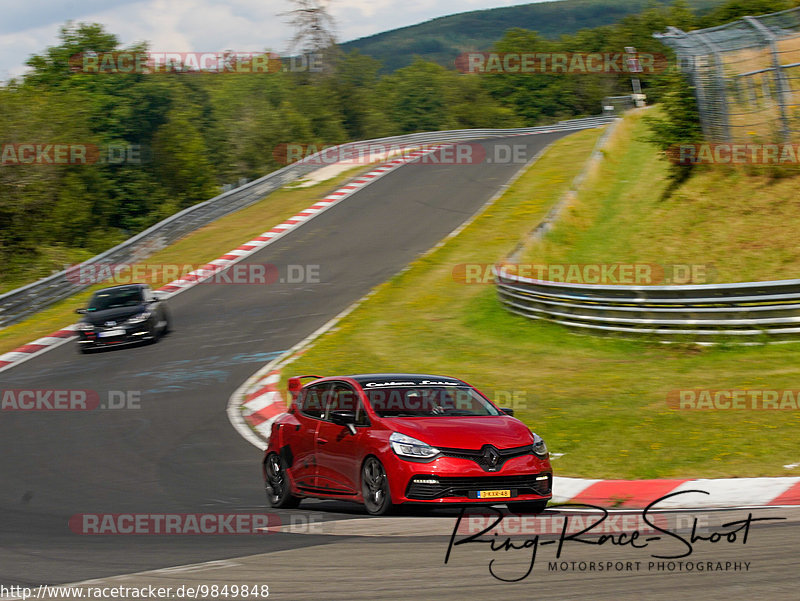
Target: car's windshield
(425, 401)
(118, 297)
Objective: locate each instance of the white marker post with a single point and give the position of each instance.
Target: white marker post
(634, 66)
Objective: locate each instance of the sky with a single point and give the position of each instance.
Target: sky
(29, 26)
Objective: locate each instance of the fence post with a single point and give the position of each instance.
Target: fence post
(780, 81)
(722, 92)
(704, 99)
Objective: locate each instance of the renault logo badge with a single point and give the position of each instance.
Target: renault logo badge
(491, 457)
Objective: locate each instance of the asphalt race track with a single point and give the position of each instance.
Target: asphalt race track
(174, 450)
(178, 452)
(403, 558)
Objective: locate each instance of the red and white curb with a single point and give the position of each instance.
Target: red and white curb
(262, 406)
(722, 492)
(47, 343)
(37, 347)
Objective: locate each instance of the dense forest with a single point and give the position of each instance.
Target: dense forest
(442, 40)
(191, 133)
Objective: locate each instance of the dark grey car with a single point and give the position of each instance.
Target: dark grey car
(122, 315)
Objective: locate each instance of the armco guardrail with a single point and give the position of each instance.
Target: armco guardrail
(704, 312)
(19, 303)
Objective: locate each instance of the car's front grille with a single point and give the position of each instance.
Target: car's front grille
(489, 457)
(429, 487)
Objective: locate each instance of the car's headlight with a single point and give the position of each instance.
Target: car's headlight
(539, 448)
(140, 317)
(85, 327)
(405, 446)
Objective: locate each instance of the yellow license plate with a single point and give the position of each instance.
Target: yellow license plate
(494, 494)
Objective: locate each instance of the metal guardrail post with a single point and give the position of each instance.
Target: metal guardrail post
(745, 311)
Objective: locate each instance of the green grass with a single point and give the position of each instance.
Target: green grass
(737, 221)
(602, 402)
(200, 247)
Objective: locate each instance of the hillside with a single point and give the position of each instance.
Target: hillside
(735, 223)
(601, 402)
(441, 40)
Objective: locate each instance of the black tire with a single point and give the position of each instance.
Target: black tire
(166, 329)
(155, 333)
(527, 507)
(84, 350)
(375, 487)
(276, 483)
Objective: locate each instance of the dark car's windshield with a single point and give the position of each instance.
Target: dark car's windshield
(118, 297)
(424, 401)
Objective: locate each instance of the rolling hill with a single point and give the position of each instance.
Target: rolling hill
(442, 39)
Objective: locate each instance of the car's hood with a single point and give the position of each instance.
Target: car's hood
(464, 432)
(119, 314)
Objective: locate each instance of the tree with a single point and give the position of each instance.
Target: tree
(181, 156)
(313, 25)
(53, 67)
(678, 124)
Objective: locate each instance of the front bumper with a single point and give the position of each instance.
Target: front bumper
(104, 337)
(453, 480)
(520, 487)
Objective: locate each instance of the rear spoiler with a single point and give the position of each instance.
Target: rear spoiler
(295, 384)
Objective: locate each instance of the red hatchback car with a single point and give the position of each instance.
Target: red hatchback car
(390, 439)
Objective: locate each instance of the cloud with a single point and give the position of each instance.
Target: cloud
(36, 14)
(30, 26)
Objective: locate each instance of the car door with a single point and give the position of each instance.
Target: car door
(303, 440)
(339, 452)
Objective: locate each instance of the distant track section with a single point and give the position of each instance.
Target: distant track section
(18, 304)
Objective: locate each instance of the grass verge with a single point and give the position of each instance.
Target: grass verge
(738, 221)
(601, 402)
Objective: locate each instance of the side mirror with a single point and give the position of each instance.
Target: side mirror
(344, 418)
(81, 311)
(507, 410)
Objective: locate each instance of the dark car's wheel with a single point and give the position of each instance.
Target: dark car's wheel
(528, 506)
(277, 483)
(375, 487)
(165, 329)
